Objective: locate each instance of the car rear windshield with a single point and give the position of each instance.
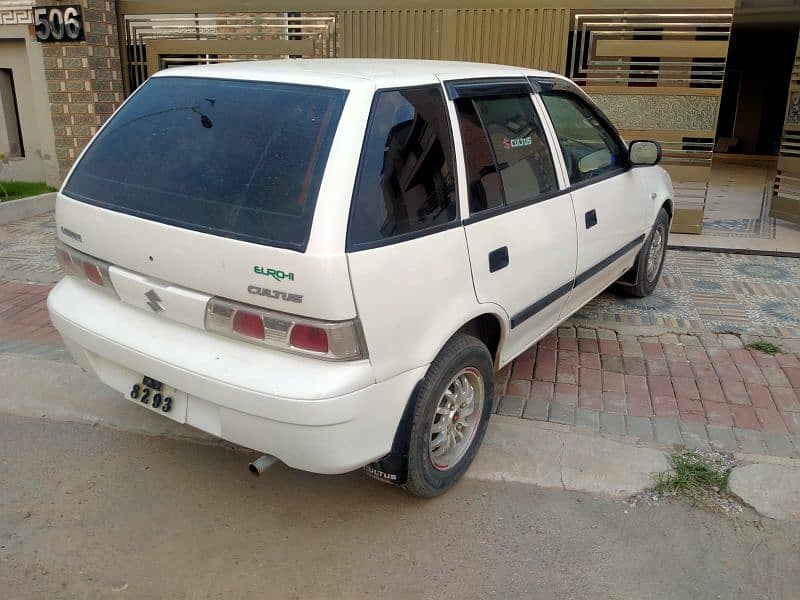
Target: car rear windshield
(238, 159)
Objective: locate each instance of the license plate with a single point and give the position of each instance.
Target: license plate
(160, 398)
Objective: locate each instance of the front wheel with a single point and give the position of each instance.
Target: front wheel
(650, 261)
(452, 410)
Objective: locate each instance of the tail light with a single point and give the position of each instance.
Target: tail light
(80, 265)
(332, 340)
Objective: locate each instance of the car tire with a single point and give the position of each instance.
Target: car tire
(435, 463)
(650, 261)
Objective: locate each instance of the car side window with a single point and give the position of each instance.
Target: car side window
(506, 151)
(589, 148)
(406, 179)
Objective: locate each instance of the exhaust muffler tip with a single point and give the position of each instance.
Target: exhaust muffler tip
(261, 464)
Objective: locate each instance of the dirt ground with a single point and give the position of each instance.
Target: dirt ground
(88, 512)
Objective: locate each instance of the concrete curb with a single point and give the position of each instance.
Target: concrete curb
(14, 210)
(520, 451)
(773, 490)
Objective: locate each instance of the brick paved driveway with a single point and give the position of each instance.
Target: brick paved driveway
(686, 389)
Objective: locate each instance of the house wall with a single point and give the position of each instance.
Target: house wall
(23, 57)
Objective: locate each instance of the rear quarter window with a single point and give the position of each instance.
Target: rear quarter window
(406, 179)
(238, 159)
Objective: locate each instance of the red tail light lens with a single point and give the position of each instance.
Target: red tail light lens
(328, 340)
(83, 266)
(92, 273)
(310, 338)
(248, 324)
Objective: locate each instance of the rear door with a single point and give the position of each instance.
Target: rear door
(521, 227)
(609, 198)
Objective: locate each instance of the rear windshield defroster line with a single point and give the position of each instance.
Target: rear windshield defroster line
(238, 159)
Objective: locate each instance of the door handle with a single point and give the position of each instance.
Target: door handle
(498, 259)
(591, 218)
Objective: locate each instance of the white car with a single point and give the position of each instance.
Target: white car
(327, 260)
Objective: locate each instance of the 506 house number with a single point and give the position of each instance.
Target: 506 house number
(58, 23)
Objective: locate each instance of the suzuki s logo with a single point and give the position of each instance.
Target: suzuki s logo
(153, 301)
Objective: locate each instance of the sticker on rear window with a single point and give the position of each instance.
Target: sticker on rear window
(516, 142)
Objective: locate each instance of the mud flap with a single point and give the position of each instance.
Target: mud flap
(393, 468)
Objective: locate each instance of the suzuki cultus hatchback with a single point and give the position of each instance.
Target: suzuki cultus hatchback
(327, 260)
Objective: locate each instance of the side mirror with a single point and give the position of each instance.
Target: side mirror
(644, 153)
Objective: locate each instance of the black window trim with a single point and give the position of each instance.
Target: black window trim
(349, 246)
(299, 247)
(488, 86)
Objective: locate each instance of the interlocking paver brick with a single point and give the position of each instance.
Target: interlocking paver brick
(764, 360)
(696, 354)
(751, 442)
(664, 406)
(688, 340)
(585, 345)
(590, 360)
(667, 431)
(568, 343)
(710, 389)
(695, 436)
(759, 396)
(545, 368)
(631, 348)
(788, 360)
(721, 438)
(613, 382)
(614, 402)
(566, 331)
(668, 338)
(679, 368)
(522, 369)
(730, 341)
(634, 365)
(566, 393)
(652, 351)
(778, 444)
(674, 352)
(775, 377)
(611, 363)
(660, 385)
(740, 356)
(586, 333)
(770, 420)
(536, 410)
(606, 334)
(562, 413)
(718, 413)
(612, 423)
(692, 417)
(657, 367)
(511, 406)
(549, 341)
(685, 388)
(587, 419)
(638, 396)
(609, 347)
(793, 375)
(785, 399)
(566, 373)
(792, 421)
(704, 369)
(752, 374)
(542, 391)
(735, 392)
(519, 388)
(689, 405)
(639, 427)
(744, 417)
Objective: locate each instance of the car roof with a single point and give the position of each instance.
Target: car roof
(351, 72)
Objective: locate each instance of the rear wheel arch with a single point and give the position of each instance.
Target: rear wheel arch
(668, 206)
(488, 328)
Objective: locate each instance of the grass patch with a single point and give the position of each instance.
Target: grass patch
(693, 476)
(14, 190)
(765, 347)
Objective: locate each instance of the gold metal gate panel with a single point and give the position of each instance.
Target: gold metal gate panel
(786, 196)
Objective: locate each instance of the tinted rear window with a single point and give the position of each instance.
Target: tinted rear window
(237, 159)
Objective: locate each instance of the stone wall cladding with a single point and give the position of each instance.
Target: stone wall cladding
(84, 79)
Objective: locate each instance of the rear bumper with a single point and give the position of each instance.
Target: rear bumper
(313, 415)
